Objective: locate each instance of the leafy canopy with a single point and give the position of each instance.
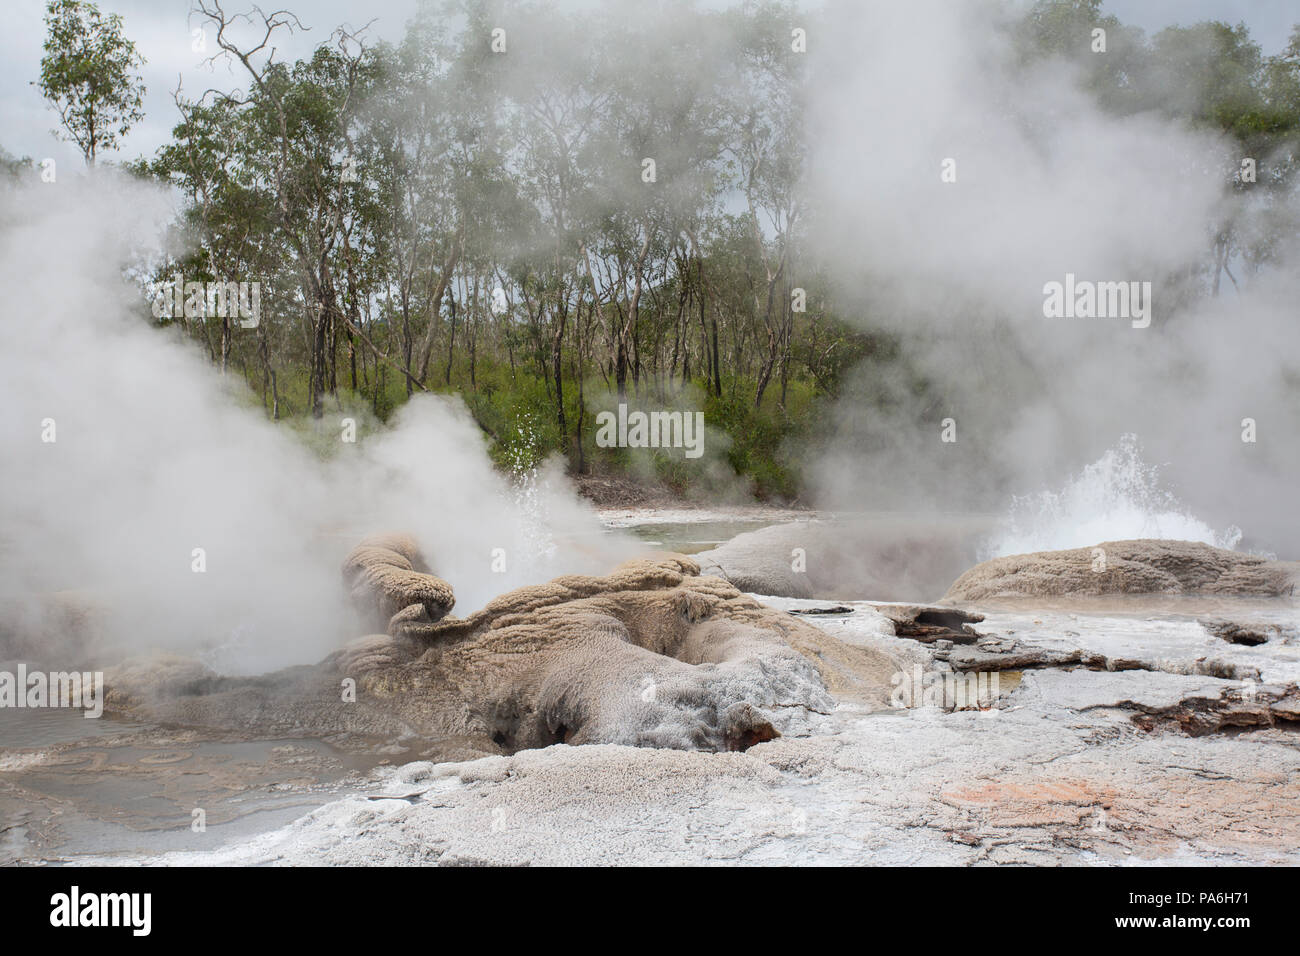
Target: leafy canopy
(88, 74)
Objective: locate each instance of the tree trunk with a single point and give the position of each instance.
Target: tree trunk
(451, 339)
(557, 342)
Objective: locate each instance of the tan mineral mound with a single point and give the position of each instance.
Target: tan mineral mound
(1142, 566)
(387, 573)
(653, 654)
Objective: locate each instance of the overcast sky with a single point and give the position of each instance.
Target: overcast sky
(162, 29)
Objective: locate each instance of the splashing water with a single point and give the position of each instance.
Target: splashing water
(536, 540)
(1115, 498)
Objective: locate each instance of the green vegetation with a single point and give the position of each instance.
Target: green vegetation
(473, 213)
(88, 74)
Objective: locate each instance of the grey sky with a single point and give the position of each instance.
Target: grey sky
(162, 31)
(1270, 21)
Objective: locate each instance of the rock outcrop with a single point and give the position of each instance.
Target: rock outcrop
(386, 573)
(1142, 566)
(653, 654)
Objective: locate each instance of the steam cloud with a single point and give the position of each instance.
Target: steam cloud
(1047, 184)
(155, 456)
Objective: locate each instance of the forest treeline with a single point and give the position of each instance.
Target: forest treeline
(540, 209)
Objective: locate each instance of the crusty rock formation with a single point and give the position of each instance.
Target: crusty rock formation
(654, 654)
(387, 573)
(1142, 566)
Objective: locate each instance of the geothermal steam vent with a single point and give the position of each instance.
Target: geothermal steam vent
(653, 654)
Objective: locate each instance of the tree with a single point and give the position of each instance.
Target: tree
(87, 73)
(294, 122)
(766, 146)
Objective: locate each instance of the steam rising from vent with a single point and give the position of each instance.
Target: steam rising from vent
(1046, 184)
(195, 523)
(205, 528)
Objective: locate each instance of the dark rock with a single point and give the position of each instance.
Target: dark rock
(1235, 633)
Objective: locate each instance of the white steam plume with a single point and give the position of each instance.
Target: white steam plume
(155, 456)
(1047, 184)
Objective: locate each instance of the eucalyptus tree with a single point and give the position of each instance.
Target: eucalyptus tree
(224, 227)
(88, 73)
(1210, 76)
(295, 120)
(766, 147)
(658, 168)
(551, 73)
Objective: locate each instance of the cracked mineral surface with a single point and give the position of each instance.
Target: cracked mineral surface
(1120, 729)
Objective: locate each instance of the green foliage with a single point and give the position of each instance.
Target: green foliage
(88, 75)
(1211, 76)
(432, 216)
(759, 436)
(518, 415)
(11, 167)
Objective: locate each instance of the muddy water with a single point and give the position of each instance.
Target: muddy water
(71, 786)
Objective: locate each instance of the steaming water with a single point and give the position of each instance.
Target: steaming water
(692, 537)
(1117, 497)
